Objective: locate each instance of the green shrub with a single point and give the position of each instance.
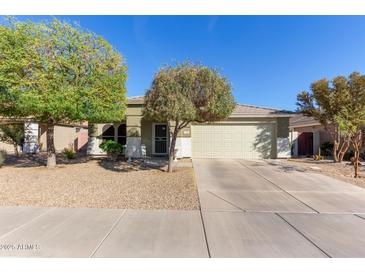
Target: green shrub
(327, 148)
(111, 148)
(69, 153)
(2, 157)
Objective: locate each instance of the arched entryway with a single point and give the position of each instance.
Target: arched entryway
(115, 132)
(108, 132)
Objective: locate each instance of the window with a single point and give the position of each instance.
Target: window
(108, 132)
(122, 134)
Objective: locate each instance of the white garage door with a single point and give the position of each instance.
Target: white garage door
(232, 141)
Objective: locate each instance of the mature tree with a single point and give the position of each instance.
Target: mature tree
(55, 72)
(324, 103)
(187, 93)
(351, 118)
(12, 134)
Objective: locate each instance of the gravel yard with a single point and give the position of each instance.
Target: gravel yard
(98, 184)
(343, 171)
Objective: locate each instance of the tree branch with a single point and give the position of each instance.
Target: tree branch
(184, 124)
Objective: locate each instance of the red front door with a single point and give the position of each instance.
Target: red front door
(305, 144)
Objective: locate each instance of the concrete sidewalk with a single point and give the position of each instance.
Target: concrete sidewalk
(71, 232)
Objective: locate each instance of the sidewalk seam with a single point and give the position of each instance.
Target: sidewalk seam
(201, 213)
(25, 224)
(108, 233)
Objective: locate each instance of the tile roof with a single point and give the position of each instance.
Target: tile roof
(135, 99)
(301, 121)
(240, 110)
(254, 111)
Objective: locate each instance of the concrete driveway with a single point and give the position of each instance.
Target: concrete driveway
(248, 209)
(266, 209)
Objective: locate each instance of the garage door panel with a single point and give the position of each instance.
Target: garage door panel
(232, 141)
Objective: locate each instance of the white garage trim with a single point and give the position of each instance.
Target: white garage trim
(234, 141)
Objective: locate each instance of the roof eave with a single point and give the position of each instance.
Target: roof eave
(305, 125)
(136, 103)
(262, 115)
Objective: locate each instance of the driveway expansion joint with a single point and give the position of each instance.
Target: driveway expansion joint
(271, 182)
(303, 235)
(239, 208)
(359, 216)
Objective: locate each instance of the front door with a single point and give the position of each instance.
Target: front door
(305, 144)
(160, 134)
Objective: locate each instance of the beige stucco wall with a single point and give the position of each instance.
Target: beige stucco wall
(146, 130)
(184, 132)
(7, 147)
(134, 118)
(64, 137)
(324, 137)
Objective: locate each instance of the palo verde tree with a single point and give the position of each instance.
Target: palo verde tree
(351, 118)
(324, 102)
(187, 93)
(55, 72)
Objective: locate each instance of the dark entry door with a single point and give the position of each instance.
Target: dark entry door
(160, 138)
(305, 144)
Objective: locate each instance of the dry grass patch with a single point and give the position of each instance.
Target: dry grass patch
(92, 185)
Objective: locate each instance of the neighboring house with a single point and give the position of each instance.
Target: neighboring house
(73, 136)
(249, 133)
(307, 135)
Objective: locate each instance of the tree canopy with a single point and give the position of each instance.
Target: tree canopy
(351, 117)
(55, 72)
(324, 102)
(188, 93)
(339, 105)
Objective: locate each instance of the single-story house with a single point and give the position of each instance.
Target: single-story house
(249, 133)
(307, 135)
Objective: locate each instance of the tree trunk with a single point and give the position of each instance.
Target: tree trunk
(356, 142)
(51, 151)
(334, 151)
(344, 148)
(16, 151)
(340, 144)
(356, 163)
(172, 147)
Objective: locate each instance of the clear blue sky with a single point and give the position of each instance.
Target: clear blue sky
(268, 59)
